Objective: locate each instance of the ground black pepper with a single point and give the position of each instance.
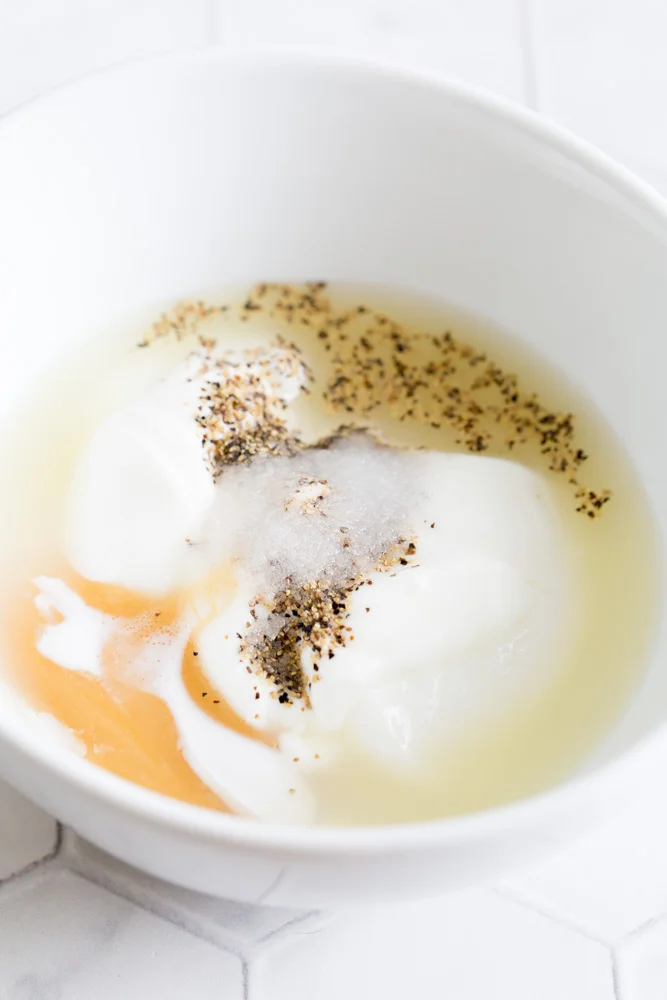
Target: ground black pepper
(311, 617)
(374, 362)
(377, 362)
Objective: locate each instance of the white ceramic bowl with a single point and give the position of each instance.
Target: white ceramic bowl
(179, 174)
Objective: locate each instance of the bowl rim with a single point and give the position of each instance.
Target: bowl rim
(223, 828)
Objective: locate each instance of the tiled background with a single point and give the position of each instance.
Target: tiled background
(588, 925)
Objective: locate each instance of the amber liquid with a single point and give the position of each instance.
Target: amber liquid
(131, 732)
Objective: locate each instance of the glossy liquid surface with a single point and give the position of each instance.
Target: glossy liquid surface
(519, 751)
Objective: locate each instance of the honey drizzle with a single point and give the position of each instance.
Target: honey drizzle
(127, 731)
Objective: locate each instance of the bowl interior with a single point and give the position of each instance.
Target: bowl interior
(177, 176)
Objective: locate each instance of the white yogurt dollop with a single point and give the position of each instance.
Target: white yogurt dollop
(475, 617)
(142, 487)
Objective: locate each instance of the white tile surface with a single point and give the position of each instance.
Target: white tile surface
(43, 43)
(479, 40)
(471, 946)
(26, 833)
(641, 966)
(612, 881)
(65, 939)
(601, 70)
(237, 926)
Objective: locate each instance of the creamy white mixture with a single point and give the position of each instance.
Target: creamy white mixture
(468, 619)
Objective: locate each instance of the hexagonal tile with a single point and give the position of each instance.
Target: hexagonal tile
(466, 946)
(642, 964)
(612, 880)
(238, 926)
(63, 937)
(26, 833)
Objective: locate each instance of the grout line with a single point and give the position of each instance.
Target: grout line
(506, 892)
(58, 844)
(526, 11)
(615, 982)
(34, 865)
(647, 925)
(69, 842)
(252, 977)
